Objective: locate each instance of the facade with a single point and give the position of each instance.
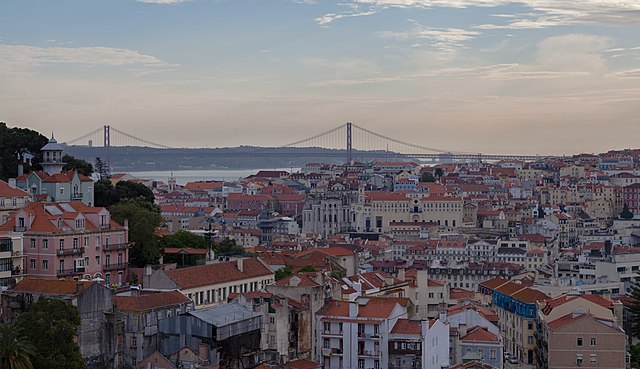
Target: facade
(11, 198)
(71, 240)
(580, 340)
(211, 284)
(11, 259)
(360, 334)
(140, 314)
(516, 307)
(96, 338)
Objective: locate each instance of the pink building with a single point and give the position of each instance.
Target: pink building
(71, 241)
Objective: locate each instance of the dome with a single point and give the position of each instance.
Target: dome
(52, 145)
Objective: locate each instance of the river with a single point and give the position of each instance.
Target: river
(184, 176)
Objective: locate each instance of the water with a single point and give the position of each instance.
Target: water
(184, 176)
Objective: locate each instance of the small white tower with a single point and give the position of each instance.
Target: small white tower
(172, 182)
(52, 157)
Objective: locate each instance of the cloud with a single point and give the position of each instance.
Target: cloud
(544, 13)
(447, 40)
(574, 52)
(332, 17)
(630, 73)
(22, 58)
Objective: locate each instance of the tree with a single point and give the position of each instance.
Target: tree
(16, 351)
(439, 172)
(427, 177)
(51, 325)
(143, 218)
(183, 239)
(15, 145)
(626, 213)
(227, 247)
(79, 165)
(307, 269)
(541, 212)
(102, 169)
(105, 194)
(283, 272)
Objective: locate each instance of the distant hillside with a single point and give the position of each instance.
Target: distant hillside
(133, 158)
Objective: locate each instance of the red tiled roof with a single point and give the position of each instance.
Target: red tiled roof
(149, 301)
(8, 191)
(480, 334)
(185, 250)
(204, 275)
(203, 185)
(379, 308)
(300, 279)
(50, 286)
(406, 326)
(302, 364)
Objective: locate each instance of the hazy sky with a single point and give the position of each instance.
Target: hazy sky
(492, 76)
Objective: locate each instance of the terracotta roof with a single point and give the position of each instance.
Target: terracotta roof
(570, 319)
(150, 301)
(372, 308)
(486, 313)
(50, 286)
(406, 326)
(480, 334)
(185, 250)
(203, 185)
(8, 191)
(551, 304)
(205, 275)
(302, 364)
(300, 279)
(494, 283)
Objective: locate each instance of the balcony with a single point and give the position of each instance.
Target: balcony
(64, 252)
(369, 353)
(70, 272)
(368, 336)
(108, 267)
(20, 229)
(77, 196)
(116, 246)
(332, 333)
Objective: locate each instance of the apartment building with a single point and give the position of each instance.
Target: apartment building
(11, 259)
(71, 240)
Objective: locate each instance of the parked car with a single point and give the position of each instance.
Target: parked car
(513, 360)
(507, 355)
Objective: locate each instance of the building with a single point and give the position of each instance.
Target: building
(516, 307)
(11, 259)
(71, 240)
(360, 334)
(211, 284)
(580, 339)
(96, 338)
(11, 198)
(474, 335)
(226, 335)
(139, 314)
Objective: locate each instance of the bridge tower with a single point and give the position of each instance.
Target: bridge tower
(349, 143)
(107, 146)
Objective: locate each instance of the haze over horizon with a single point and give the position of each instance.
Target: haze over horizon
(491, 76)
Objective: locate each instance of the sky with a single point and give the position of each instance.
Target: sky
(490, 76)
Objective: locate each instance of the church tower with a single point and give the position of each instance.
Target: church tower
(172, 183)
(52, 157)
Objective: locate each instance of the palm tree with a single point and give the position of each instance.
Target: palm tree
(15, 350)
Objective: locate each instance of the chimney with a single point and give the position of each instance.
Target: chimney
(126, 224)
(401, 275)
(462, 329)
(203, 352)
(148, 270)
(353, 305)
(12, 182)
(240, 264)
(20, 169)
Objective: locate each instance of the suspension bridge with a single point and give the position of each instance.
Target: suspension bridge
(348, 141)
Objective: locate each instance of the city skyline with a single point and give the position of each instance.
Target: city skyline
(491, 76)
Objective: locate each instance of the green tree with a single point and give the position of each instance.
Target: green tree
(79, 165)
(307, 269)
(227, 247)
(143, 218)
(183, 239)
(634, 309)
(635, 355)
(427, 177)
(283, 272)
(439, 172)
(102, 169)
(16, 351)
(105, 194)
(15, 144)
(51, 325)
(626, 213)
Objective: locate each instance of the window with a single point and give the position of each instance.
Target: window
(61, 244)
(593, 358)
(360, 364)
(325, 343)
(593, 341)
(32, 263)
(529, 325)
(75, 243)
(134, 341)
(579, 341)
(97, 260)
(493, 354)
(579, 359)
(45, 244)
(85, 241)
(327, 327)
(45, 264)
